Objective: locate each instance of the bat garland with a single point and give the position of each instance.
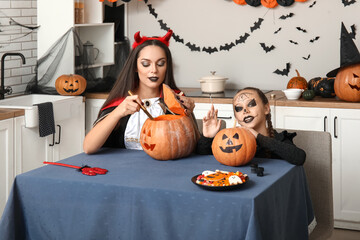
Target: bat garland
(301, 29)
(312, 4)
(283, 17)
(315, 39)
(306, 58)
(348, 2)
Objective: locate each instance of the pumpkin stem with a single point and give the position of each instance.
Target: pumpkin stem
(297, 72)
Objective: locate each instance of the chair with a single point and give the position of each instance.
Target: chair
(318, 169)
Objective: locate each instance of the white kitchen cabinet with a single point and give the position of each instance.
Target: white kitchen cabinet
(344, 126)
(6, 160)
(92, 108)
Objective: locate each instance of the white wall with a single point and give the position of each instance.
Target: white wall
(215, 22)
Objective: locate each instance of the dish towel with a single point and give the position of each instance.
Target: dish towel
(46, 119)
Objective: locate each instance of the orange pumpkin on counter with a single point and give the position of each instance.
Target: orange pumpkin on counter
(297, 82)
(70, 85)
(347, 83)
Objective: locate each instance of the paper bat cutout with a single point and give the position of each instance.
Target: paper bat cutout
(152, 10)
(163, 25)
(227, 46)
(348, 2)
(306, 58)
(192, 47)
(145, 1)
(209, 50)
(266, 48)
(277, 31)
(177, 38)
(314, 39)
(312, 4)
(283, 17)
(293, 42)
(256, 25)
(242, 39)
(301, 29)
(353, 31)
(284, 71)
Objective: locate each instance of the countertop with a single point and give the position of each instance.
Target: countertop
(6, 113)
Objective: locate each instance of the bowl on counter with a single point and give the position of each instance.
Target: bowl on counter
(212, 83)
(293, 93)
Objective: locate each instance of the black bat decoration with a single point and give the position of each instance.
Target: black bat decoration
(145, 1)
(192, 47)
(314, 39)
(293, 42)
(277, 31)
(283, 17)
(163, 25)
(284, 71)
(266, 48)
(312, 4)
(353, 31)
(306, 58)
(242, 38)
(177, 38)
(227, 46)
(348, 2)
(209, 50)
(256, 25)
(152, 10)
(301, 29)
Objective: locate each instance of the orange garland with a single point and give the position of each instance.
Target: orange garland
(265, 3)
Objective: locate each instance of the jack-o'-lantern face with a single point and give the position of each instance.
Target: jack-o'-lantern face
(347, 83)
(148, 146)
(230, 145)
(70, 84)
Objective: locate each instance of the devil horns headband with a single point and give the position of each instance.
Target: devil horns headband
(140, 40)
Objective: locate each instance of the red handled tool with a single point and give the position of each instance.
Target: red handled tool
(86, 170)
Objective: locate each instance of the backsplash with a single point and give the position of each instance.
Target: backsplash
(16, 20)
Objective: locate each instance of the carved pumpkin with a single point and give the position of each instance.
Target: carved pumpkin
(234, 146)
(169, 136)
(297, 82)
(347, 83)
(70, 85)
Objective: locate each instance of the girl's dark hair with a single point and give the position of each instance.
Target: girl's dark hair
(265, 101)
(129, 78)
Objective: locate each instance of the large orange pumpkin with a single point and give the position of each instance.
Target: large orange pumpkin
(70, 85)
(297, 82)
(169, 136)
(234, 146)
(347, 83)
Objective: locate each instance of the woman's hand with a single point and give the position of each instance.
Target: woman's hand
(211, 125)
(130, 105)
(188, 103)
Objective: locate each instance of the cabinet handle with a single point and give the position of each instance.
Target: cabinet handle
(335, 118)
(58, 142)
(325, 118)
(52, 144)
(224, 117)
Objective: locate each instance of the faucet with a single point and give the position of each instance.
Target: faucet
(4, 90)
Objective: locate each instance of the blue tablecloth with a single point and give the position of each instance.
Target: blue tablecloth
(142, 198)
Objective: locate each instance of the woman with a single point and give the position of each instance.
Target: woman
(252, 111)
(119, 122)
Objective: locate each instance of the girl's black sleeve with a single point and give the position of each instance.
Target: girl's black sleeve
(203, 146)
(283, 147)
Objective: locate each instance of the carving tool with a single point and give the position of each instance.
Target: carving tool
(143, 107)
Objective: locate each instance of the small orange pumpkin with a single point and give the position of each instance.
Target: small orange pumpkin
(240, 2)
(297, 82)
(269, 3)
(347, 83)
(234, 146)
(169, 136)
(70, 85)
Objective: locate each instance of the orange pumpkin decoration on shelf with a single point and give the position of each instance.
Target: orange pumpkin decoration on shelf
(240, 2)
(347, 83)
(269, 3)
(169, 136)
(234, 146)
(70, 85)
(297, 82)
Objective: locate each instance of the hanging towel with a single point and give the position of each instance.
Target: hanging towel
(46, 119)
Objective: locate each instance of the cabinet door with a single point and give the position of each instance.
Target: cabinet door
(92, 109)
(301, 118)
(6, 160)
(346, 165)
(225, 112)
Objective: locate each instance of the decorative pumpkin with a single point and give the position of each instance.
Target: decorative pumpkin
(308, 94)
(347, 83)
(297, 82)
(269, 3)
(169, 136)
(240, 2)
(322, 86)
(70, 85)
(234, 146)
(313, 85)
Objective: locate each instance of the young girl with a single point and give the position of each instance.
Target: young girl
(119, 122)
(252, 111)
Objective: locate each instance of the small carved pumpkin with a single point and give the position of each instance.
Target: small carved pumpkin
(297, 82)
(347, 83)
(234, 146)
(70, 85)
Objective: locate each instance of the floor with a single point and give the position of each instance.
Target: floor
(343, 234)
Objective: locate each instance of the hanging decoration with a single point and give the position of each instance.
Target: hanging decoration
(272, 3)
(283, 17)
(312, 4)
(348, 2)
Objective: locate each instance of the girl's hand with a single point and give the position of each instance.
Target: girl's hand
(211, 125)
(188, 103)
(130, 105)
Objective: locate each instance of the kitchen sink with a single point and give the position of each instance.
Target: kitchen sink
(63, 106)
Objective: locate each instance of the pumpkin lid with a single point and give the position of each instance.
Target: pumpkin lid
(171, 101)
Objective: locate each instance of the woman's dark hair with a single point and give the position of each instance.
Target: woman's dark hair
(265, 101)
(129, 79)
